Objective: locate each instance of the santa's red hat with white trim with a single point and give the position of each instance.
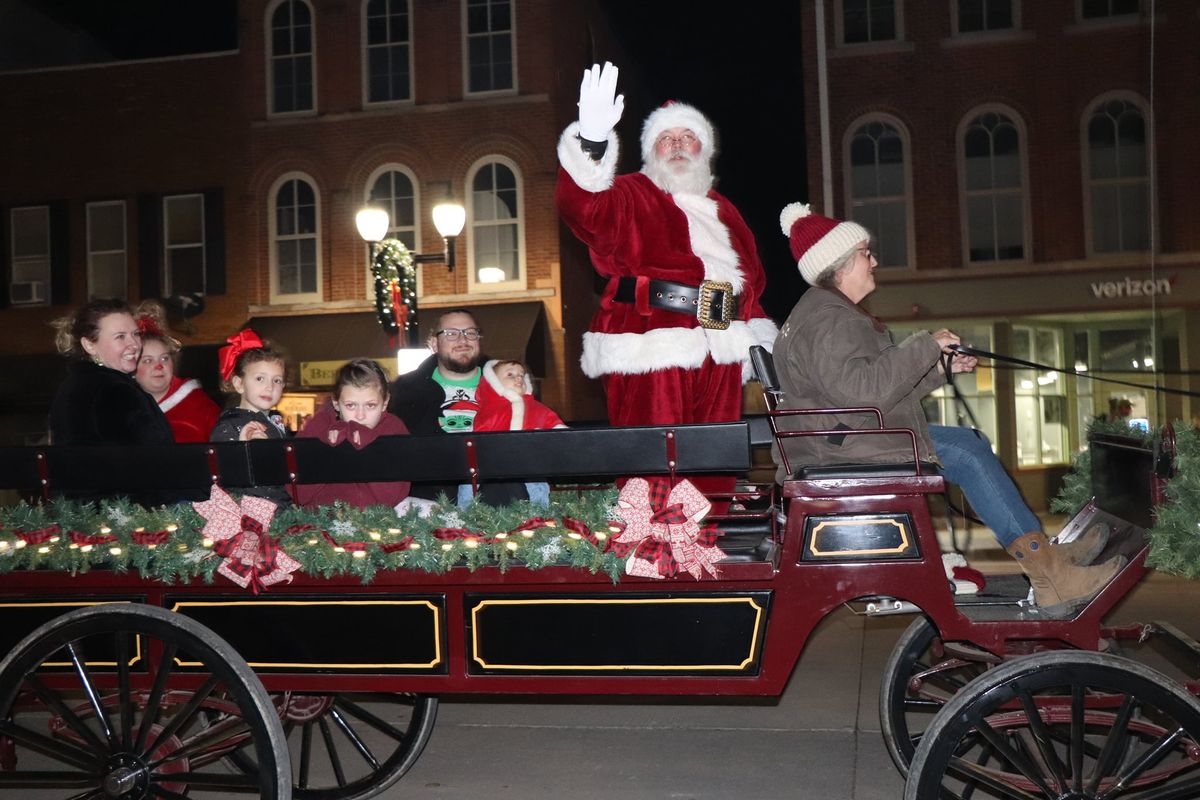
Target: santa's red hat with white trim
(674, 114)
(817, 241)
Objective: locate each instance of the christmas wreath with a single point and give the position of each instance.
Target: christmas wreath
(395, 289)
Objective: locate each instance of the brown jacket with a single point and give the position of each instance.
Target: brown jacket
(829, 354)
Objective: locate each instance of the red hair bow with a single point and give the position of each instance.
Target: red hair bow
(148, 326)
(239, 343)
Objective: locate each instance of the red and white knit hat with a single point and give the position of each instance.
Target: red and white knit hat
(817, 241)
(673, 114)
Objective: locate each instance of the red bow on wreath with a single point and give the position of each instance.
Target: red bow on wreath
(239, 534)
(663, 530)
(239, 343)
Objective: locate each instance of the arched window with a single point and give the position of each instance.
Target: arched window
(992, 182)
(393, 188)
(878, 186)
(295, 240)
(1118, 176)
(497, 260)
(387, 55)
(291, 50)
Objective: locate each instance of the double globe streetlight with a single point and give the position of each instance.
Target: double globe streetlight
(448, 218)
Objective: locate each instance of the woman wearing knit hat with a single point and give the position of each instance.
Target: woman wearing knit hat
(832, 354)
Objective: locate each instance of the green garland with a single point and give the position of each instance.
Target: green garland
(1175, 536)
(166, 544)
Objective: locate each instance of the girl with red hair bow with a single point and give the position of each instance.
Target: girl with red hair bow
(255, 372)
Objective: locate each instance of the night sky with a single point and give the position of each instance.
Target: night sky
(740, 66)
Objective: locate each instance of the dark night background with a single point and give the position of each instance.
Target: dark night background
(739, 64)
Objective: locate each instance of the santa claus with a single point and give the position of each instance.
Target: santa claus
(681, 309)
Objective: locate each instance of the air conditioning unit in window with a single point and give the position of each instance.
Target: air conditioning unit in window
(27, 292)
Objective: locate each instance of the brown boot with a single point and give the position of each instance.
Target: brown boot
(1058, 585)
(1085, 548)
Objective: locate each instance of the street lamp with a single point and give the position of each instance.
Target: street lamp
(448, 218)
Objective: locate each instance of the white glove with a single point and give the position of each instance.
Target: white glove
(600, 106)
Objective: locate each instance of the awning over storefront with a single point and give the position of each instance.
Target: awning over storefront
(509, 332)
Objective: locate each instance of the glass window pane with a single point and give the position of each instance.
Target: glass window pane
(1106, 228)
(500, 16)
(980, 229)
(106, 278)
(883, 20)
(286, 260)
(184, 220)
(891, 234)
(31, 231)
(477, 17)
(186, 269)
(970, 15)
(106, 226)
(1010, 226)
(307, 253)
(1135, 218)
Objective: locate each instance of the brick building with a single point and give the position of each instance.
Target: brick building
(1028, 169)
(237, 174)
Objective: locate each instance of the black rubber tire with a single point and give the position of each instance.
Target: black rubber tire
(904, 715)
(112, 732)
(337, 727)
(1100, 715)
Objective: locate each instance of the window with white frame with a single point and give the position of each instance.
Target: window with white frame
(291, 57)
(1043, 419)
(29, 282)
(870, 21)
(878, 187)
(1118, 187)
(296, 274)
(1103, 9)
(106, 249)
(388, 57)
(496, 227)
(393, 188)
(977, 16)
(489, 49)
(993, 188)
(183, 244)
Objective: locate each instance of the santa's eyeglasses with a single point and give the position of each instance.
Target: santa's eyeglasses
(682, 140)
(450, 334)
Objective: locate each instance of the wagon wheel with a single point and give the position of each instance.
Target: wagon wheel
(360, 743)
(1101, 727)
(918, 679)
(107, 701)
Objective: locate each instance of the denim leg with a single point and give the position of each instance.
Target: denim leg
(967, 460)
(539, 494)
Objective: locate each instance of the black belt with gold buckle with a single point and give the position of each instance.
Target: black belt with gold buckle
(712, 303)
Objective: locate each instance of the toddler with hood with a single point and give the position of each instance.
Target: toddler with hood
(506, 403)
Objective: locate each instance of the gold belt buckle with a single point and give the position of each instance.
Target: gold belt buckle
(708, 304)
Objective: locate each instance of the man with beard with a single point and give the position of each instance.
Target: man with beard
(681, 309)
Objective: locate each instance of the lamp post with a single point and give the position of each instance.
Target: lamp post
(372, 224)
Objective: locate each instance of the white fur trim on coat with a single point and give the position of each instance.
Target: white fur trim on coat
(589, 175)
(518, 401)
(765, 332)
(664, 348)
(710, 239)
(185, 388)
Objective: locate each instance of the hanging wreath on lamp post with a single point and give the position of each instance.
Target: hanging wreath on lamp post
(395, 290)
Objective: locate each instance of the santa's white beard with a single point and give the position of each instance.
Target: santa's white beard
(687, 176)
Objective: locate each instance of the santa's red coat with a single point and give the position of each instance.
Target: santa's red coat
(191, 412)
(647, 355)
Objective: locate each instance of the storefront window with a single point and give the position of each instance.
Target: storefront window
(1041, 399)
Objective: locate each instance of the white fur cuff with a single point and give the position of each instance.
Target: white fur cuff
(589, 175)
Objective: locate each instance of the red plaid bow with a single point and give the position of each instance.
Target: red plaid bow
(80, 538)
(239, 534)
(39, 536)
(662, 528)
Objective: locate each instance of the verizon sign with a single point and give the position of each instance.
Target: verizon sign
(1131, 287)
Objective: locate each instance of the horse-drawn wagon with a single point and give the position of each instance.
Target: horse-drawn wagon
(120, 686)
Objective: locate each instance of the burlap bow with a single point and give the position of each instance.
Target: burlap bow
(662, 529)
(239, 533)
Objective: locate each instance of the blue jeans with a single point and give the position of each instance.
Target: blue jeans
(967, 460)
(539, 494)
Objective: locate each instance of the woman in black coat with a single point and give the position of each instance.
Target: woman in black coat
(101, 402)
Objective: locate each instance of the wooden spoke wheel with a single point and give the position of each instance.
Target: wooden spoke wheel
(1067, 725)
(349, 746)
(919, 678)
(110, 702)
